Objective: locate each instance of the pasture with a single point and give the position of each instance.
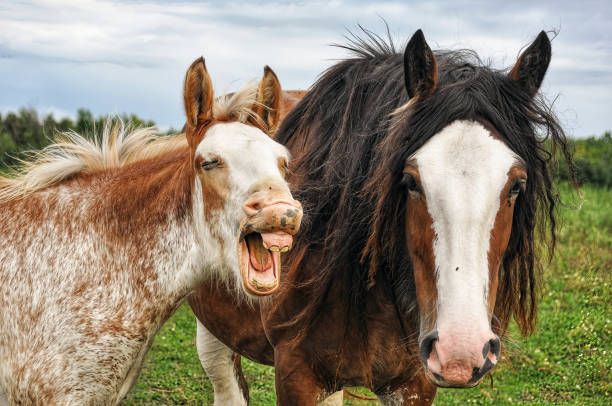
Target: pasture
(567, 361)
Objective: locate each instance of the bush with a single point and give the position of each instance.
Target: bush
(593, 160)
(25, 130)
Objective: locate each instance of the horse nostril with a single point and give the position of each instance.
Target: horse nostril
(494, 347)
(253, 206)
(486, 349)
(427, 345)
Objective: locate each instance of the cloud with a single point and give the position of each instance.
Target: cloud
(131, 55)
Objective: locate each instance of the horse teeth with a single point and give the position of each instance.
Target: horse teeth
(258, 285)
(284, 249)
(261, 286)
(274, 248)
(264, 244)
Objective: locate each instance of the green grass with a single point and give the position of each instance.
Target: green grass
(567, 361)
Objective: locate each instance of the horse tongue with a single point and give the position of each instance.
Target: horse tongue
(259, 256)
(278, 239)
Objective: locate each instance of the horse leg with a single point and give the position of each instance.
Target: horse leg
(223, 368)
(3, 398)
(333, 400)
(296, 383)
(418, 392)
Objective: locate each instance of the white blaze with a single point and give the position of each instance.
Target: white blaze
(463, 170)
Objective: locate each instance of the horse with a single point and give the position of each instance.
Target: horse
(426, 179)
(103, 239)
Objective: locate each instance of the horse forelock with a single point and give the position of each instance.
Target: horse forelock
(351, 136)
(238, 106)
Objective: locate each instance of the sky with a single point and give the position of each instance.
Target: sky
(113, 56)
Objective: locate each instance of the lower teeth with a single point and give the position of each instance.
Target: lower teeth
(258, 285)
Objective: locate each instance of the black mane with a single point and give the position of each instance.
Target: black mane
(352, 139)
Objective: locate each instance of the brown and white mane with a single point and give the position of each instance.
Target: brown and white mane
(104, 238)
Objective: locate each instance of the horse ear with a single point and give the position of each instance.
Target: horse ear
(531, 66)
(197, 94)
(268, 100)
(420, 70)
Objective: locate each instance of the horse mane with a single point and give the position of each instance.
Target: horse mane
(237, 106)
(353, 132)
(118, 145)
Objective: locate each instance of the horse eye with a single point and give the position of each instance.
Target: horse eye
(410, 183)
(517, 187)
(208, 165)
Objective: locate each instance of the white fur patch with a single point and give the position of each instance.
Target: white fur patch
(238, 144)
(463, 170)
(252, 157)
(216, 359)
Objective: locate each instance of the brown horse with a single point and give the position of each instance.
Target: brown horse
(103, 240)
(423, 177)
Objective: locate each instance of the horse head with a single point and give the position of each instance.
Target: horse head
(462, 188)
(246, 204)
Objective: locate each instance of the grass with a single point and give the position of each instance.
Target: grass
(567, 361)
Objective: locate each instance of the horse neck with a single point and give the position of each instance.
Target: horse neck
(148, 208)
(153, 210)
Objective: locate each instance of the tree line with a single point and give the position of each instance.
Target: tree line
(27, 130)
(593, 161)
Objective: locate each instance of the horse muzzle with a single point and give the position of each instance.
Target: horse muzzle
(268, 231)
(461, 361)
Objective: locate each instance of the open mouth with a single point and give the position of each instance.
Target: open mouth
(260, 261)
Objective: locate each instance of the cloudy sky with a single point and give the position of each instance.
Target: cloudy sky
(131, 56)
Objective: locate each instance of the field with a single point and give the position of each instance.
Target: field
(567, 361)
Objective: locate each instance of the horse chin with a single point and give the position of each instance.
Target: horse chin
(440, 383)
(260, 265)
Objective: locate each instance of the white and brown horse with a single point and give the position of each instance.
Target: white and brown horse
(101, 241)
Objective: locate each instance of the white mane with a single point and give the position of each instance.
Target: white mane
(119, 144)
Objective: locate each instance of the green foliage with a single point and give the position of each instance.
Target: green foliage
(593, 159)
(26, 130)
(567, 361)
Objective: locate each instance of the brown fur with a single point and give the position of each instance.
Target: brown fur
(500, 234)
(419, 239)
(289, 100)
(268, 103)
(198, 98)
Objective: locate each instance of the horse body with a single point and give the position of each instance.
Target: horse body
(228, 328)
(288, 101)
(102, 250)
